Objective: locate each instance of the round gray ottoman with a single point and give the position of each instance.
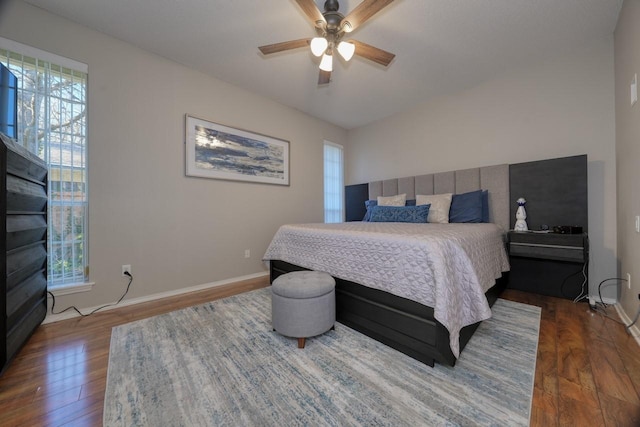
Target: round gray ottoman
(303, 304)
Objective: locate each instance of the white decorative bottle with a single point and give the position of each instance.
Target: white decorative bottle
(521, 216)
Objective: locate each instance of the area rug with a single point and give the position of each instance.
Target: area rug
(221, 364)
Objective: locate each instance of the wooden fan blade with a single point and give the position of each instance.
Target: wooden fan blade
(373, 53)
(324, 77)
(313, 13)
(363, 12)
(279, 47)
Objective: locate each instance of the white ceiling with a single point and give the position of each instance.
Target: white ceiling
(441, 46)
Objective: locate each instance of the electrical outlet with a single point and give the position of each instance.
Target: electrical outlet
(126, 269)
(247, 253)
(628, 280)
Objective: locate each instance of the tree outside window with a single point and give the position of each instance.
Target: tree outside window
(52, 123)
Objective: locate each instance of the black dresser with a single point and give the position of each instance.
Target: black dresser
(23, 245)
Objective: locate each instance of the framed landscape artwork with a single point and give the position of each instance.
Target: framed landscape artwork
(222, 152)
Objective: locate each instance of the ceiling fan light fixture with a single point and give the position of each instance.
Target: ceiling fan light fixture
(326, 64)
(346, 50)
(318, 45)
(330, 28)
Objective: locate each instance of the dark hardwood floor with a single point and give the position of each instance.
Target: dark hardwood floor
(588, 366)
(587, 373)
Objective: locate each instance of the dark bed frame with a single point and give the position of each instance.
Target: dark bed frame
(410, 327)
(402, 324)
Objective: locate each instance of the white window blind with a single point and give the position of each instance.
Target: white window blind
(52, 123)
(333, 182)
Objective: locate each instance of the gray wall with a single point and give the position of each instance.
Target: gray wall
(627, 63)
(559, 108)
(175, 231)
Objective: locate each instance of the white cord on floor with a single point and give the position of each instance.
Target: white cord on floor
(583, 294)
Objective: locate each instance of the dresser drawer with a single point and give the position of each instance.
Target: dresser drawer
(545, 251)
(552, 239)
(551, 246)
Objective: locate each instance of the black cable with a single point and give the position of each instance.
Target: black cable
(600, 287)
(53, 303)
(600, 306)
(634, 321)
(600, 309)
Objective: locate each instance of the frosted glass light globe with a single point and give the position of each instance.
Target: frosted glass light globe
(318, 45)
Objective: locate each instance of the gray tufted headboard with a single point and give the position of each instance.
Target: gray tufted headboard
(492, 178)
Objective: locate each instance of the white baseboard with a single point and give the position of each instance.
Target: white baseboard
(51, 318)
(608, 301)
(634, 330)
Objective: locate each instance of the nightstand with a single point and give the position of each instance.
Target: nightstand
(549, 263)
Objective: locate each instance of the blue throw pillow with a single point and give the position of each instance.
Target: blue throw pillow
(485, 206)
(415, 214)
(371, 203)
(466, 207)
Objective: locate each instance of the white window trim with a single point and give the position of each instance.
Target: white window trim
(71, 288)
(14, 46)
(44, 55)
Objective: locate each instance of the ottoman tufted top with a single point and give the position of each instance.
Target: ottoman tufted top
(303, 284)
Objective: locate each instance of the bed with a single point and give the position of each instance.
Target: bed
(427, 310)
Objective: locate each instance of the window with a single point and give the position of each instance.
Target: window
(52, 123)
(333, 182)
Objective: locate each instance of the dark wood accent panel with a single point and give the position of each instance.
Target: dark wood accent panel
(402, 324)
(355, 196)
(23, 303)
(555, 191)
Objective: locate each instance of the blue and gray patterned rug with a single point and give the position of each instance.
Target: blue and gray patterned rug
(221, 364)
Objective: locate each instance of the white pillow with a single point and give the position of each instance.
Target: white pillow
(398, 200)
(440, 204)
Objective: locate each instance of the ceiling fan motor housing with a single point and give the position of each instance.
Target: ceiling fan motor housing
(331, 5)
(332, 16)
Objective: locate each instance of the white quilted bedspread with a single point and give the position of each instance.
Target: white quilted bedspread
(445, 266)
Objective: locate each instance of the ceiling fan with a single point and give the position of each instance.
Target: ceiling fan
(331, 27)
